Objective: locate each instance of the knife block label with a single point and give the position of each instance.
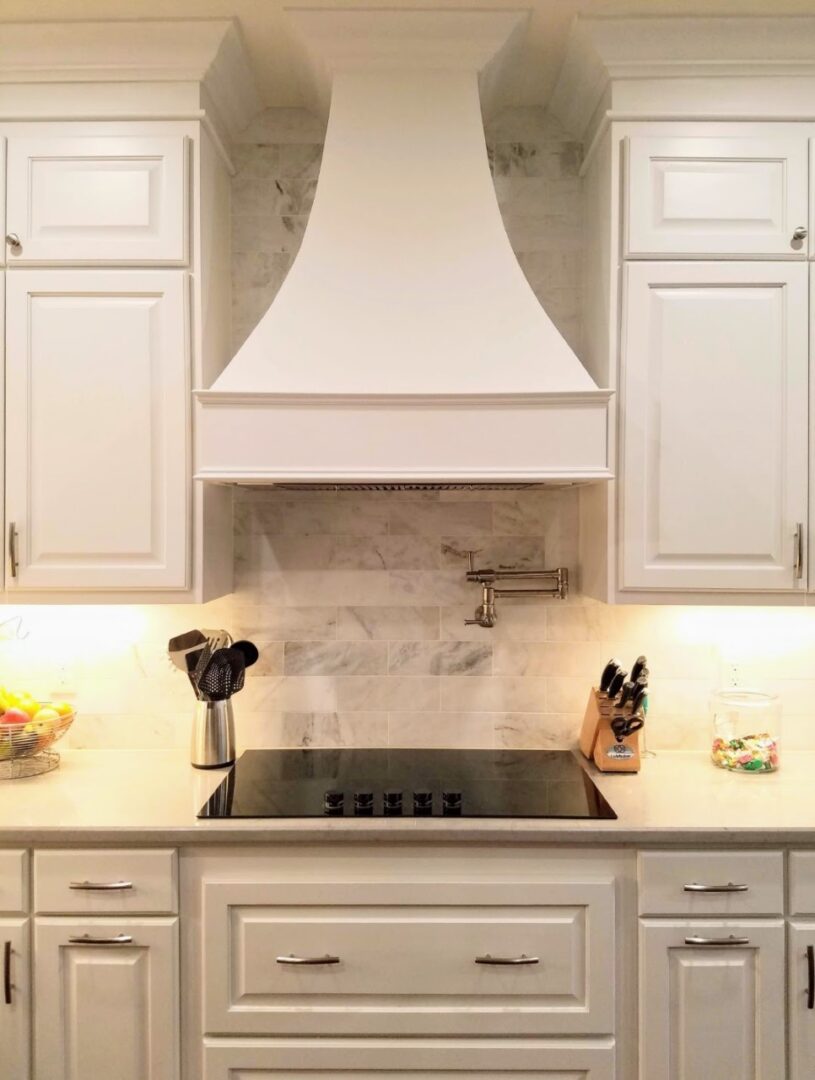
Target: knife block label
(620, 752)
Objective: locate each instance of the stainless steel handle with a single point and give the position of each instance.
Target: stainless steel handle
(798, 551)
(13, 241)
(7, 973)
(507, 961)
(100, 886)
(694, 886)
(311, 961)
(14, 565)
(810, 991)
(716, 941)
(800, 233)
(87, 939)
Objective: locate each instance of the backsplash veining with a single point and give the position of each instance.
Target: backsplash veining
(358, 600)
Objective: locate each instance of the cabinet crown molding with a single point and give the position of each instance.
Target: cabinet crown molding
(605, 50)
(210, 52)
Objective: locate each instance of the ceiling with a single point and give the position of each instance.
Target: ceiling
(283, 74)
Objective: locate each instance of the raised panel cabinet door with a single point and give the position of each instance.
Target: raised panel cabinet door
(801, 997)
(712, 999)
(15, 1000)
(714, 426)
(97, 429)
(717, 196)
(413, 1059)
(101, 199)
(106, 994)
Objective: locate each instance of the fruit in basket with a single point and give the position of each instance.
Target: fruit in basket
(64, 708)
(45, 713)
(14, 716)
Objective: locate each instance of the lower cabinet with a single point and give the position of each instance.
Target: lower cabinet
(106, 999)
(801, 966)
(712, 996)
(410, 1059)
(15, 1000)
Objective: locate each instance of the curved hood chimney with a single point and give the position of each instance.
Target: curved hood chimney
(405, 345)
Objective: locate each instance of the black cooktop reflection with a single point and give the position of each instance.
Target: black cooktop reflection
(407, 783)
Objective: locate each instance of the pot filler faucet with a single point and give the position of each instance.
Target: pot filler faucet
(485, 613)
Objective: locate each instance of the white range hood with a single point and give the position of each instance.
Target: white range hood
(405, 345)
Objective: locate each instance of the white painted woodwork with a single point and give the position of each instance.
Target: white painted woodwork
(717, 196)
(15, 1018)
(108, 199)
(152, 874)
(3, 229)
(13, 882)
(709, 1012)
(714, 454)
(2, 422)
(800, 935)
(97, 455)
(407, 958)
(802, 883)
(409, 1059)
(106, 1010)
(663, 876)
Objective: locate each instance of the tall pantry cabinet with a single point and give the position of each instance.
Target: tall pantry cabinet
(117, 296)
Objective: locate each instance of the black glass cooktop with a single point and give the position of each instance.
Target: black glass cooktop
(407, 783)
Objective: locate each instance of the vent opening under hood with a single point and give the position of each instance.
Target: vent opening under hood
(405, 345)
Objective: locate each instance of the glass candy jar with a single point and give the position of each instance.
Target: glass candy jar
(746, 726)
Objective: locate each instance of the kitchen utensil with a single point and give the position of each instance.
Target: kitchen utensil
(220, 639)
(639, 665)
(213, 735)
(609, 671)
(625, 694)
(639, 701)
(179, 647)
(249, 650)
(616, 684)
(223, 676)
(623, 726)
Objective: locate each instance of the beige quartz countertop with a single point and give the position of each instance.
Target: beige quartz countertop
(149, 797)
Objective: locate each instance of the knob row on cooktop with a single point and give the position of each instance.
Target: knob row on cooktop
(394, 803)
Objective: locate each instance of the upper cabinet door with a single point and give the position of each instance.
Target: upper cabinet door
(714, 419)
(96, 200)
(717, 196)
(97, 429)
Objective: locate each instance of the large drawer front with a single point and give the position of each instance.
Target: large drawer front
(802, 883)
(407, 958)
(711, 883)
(418, 1059)
(13, 874)
(100, 882)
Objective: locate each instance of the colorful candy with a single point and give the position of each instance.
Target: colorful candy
(750, 753)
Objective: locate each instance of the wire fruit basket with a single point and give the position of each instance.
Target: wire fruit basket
(25, 747)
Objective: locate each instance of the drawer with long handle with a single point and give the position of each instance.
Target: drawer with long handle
(412, 959)
(96, 882)
(711, 883)
(13, 882)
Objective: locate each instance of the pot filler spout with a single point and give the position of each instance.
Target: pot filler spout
(405, 347)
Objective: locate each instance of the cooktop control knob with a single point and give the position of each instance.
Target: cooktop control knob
(334, 803)
(392, 803)
(451, 803)
(422, 803)
(364, 803)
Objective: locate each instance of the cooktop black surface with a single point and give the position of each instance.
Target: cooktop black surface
(407, 783)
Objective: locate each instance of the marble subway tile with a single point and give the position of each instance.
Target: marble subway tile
(537, 731)
(393, 693)
(501, 553)
(270, 661)
(496, 693)
(439, 658)
(269, 694)
(441, 730)
(303, 588)
(336, 658)
(425, 587)
(518, 620)
(585, 660)
(314, 729)
(388, 623)
(277, 623)
(440, 518)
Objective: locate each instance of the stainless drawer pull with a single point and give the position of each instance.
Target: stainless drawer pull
(729, 887)
(507, 961)
(7, 973)
(100, 886)
(86, 939)
(312, 961)
(717, 941)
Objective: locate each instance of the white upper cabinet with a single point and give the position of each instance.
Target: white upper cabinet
(714, 426)
(96, 200)
(97, 457)
(717, 196)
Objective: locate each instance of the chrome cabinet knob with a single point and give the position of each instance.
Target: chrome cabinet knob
(800, 233)
(14, 242)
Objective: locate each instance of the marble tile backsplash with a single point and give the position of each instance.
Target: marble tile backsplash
(358, 601)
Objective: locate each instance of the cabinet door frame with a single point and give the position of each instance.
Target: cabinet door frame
(659, 937)
(167, 567)
(644, 240)
(641, 568)
(158, 937)
(15, 1018)
(800, 935)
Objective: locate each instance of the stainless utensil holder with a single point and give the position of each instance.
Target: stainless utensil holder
(213, 735)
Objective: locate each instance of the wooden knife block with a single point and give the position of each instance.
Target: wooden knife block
(598, 742)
